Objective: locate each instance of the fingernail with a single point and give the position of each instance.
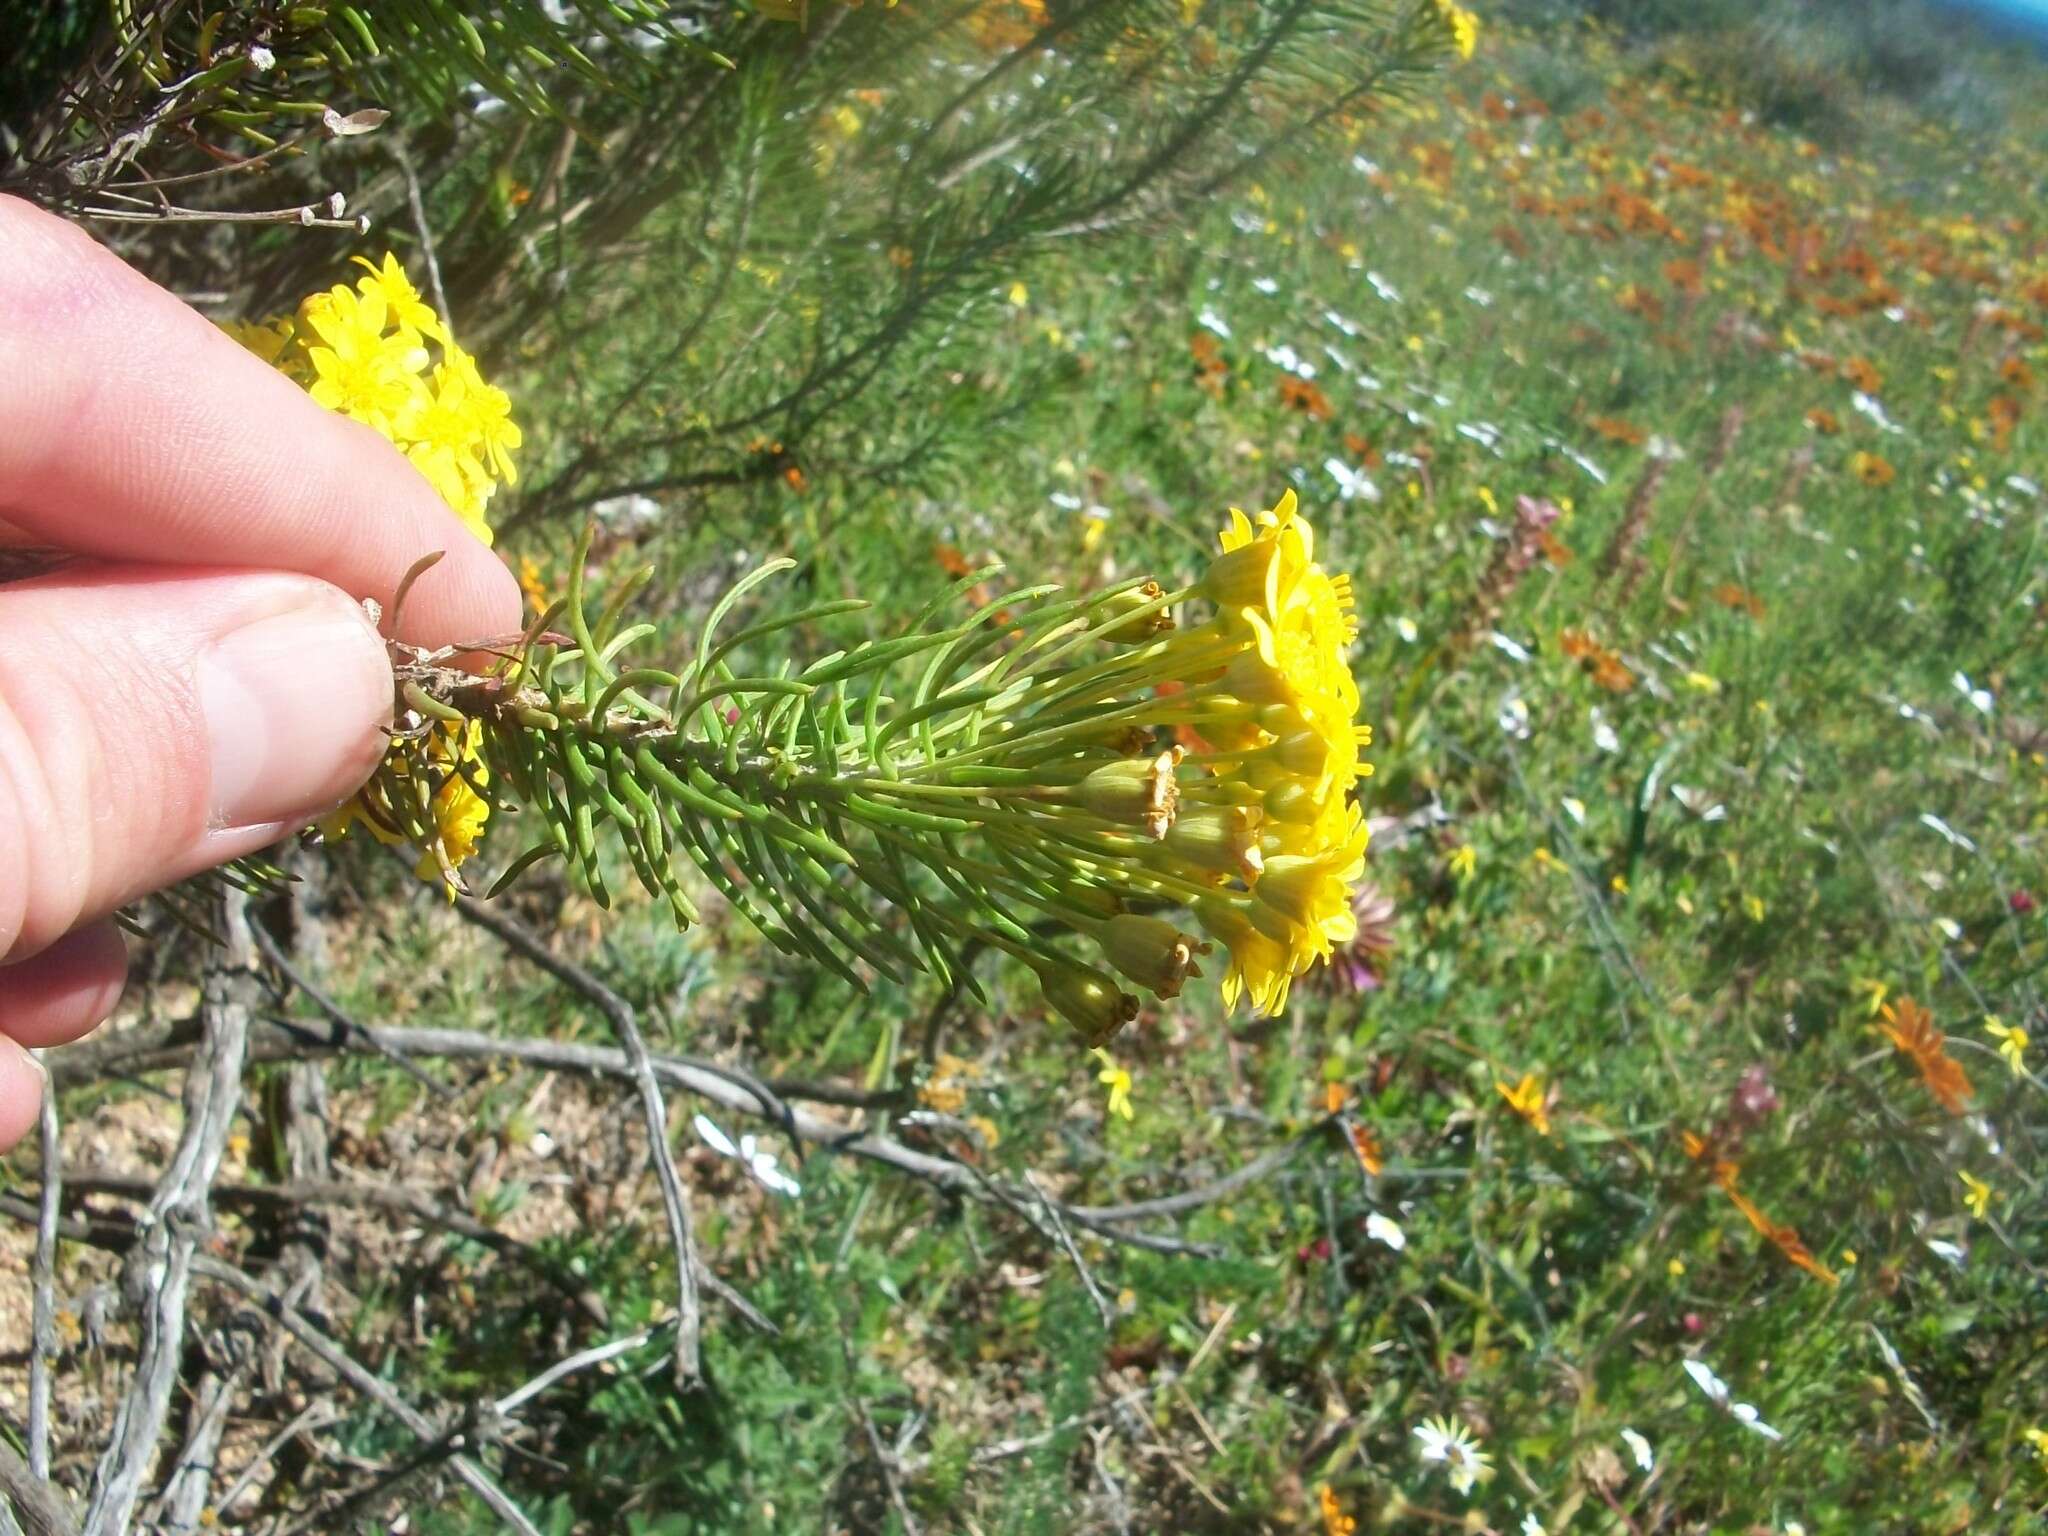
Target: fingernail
(294, 699)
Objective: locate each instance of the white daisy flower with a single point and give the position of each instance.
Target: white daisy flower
(1448, 1441)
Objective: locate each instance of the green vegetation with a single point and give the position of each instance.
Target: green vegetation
(1688, 469)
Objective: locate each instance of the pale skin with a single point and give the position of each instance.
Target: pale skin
(203, 680)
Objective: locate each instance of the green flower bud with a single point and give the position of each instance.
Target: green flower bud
(1223, 842)
(1151, 952)
(1246, 577)
(1138, 627)
(1091, 1003)
(1135, 792)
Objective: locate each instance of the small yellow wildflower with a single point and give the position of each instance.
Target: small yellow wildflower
(2012, 1042)
(1977, 1195)
(1701, 682)
(1464, 861)
(1019, 294)
(1117, 1080)
(1464, 26)
(1875, 992)
(1754, 906)
(1526, 1099)
(1675, 1268)
(2037, 1437)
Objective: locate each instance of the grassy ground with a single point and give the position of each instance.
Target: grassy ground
(1746, 753)
(1686, 792)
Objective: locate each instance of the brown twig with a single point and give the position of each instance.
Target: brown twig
(287, 1317)
(159, 1266)
(156, 1049)
(43, 1327)
(37, 1503)
(640, 1064)
(274, 953)
(396, 1198)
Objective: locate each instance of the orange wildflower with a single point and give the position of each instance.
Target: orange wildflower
(1366, 1148)
(1335, 1521)
(1863, 374)
(1911, 1029)
(1729, 595)
(1727, 1174)
(1301, 395)
(1872, 469)
(1526, 1099)
(1615, 430)
(1823, 421)
(1611, 673)
(1683, 273)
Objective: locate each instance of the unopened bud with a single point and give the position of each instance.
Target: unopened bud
(1223, 842)
(1151, 951)
(1136, 791)
(1093, 1004)
(1142, 624)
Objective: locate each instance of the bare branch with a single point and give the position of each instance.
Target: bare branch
(626, 1025)
(151, 1049)
(43, 1327)
(287, 1317)
(37, 1504)
(158, 1271)
(396, 1198)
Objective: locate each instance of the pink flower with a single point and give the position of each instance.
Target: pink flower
(1361, 967)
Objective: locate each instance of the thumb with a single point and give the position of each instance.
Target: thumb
(154, 723)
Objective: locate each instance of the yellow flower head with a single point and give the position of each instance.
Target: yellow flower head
(1977, 1195)
(1526, 1099)
(1261, 968)
(390, 284)
(357, 368)
(1464, 26)
(1117, 1080)
(2012, 1042)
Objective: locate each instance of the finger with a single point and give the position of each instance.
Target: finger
(66, 990)
(22, 1085)
(137, 430)
(154, 723)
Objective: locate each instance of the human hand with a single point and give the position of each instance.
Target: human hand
(202, 680)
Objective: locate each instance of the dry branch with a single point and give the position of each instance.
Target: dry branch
(158, 1269)
(287, 1317)
(156, 1049)
(36, 1503)
(626, 1026)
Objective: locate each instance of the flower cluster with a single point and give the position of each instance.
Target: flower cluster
(379, 353)
(1085, 757)
(450, 799)
(364, 352)
(1463, 25)
(1248, 817)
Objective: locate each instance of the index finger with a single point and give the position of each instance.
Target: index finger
(134, 429)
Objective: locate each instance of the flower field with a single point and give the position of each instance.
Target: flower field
(1664, 1154)
(1661, 1147)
